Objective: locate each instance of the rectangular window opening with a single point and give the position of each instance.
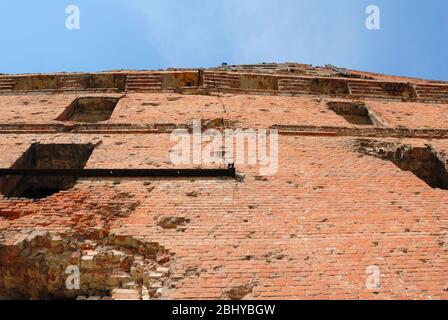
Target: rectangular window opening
(45, 156)
(353, 112)
(89, 110)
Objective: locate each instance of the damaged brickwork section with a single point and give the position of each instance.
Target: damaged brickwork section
(45, 156)
(329, 86)
(406, 91)
(424, 162)
(113, 267)
(89, 110)
(353, 112)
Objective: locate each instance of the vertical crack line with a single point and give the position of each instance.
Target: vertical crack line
(224, 109)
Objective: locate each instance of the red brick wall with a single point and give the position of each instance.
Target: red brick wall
(310, 231)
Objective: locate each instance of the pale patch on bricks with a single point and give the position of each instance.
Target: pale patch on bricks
(373, 281)
(73, 281)
(221, 148)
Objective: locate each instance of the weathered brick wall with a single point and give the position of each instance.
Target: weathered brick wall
(310, 231)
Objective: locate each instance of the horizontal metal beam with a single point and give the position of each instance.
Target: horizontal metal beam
(122, 173)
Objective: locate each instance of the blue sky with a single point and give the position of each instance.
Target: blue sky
(153, 34)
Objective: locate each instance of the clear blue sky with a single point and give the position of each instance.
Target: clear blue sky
(152, 34)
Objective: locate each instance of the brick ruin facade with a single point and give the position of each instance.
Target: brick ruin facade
(362, 181)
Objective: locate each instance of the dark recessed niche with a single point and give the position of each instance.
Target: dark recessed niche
(353, 112)
(422, 161)
(45, 156)
(89, 110)
(406, 91)
(329, 86)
